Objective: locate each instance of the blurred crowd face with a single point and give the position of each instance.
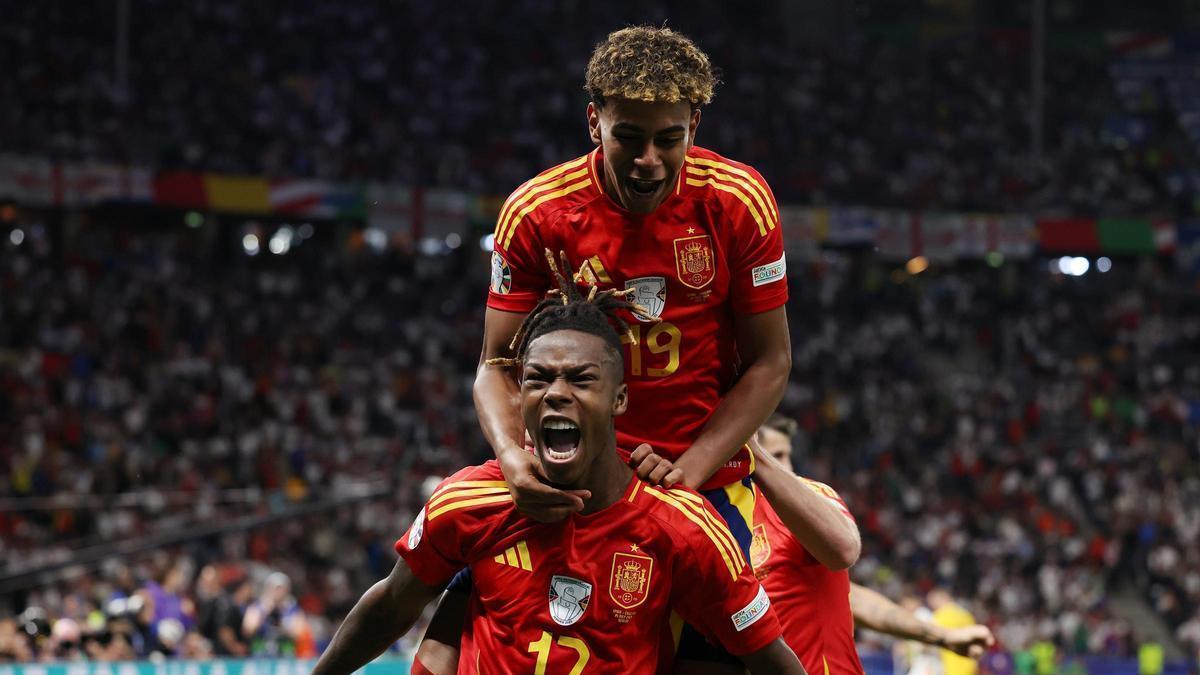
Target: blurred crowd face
(644, 147)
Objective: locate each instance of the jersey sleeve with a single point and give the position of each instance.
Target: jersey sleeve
(450, 527)
(520, 277)
(757, 262)
(831, 496)
(734, 610)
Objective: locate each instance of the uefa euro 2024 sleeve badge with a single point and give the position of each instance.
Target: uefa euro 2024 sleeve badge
(501, 274)
(569, 597)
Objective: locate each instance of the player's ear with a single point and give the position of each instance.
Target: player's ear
(621, 401)
(693, 124)
(593, 117)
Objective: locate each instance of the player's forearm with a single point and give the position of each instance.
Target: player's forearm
(875, 611)
(816, 522)
(496, 402)
(746, 406)
(375, 622)
(776, 657)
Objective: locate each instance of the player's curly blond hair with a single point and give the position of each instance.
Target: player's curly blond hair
(647, 63)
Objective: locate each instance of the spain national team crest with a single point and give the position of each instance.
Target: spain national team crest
(651, 293)
(760, 547)
(694, 261)
(569, 597)
(630, 579)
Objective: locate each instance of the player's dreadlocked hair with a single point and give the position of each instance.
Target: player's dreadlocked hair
(646, 63)
(567, 308)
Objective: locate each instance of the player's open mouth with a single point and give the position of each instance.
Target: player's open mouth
(561, 438)
(643, 188)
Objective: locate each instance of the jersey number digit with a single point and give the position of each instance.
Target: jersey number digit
(661, 338)
(541, 647)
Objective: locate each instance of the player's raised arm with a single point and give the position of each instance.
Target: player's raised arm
(813, 514)
(875, 611)
(764, 348)
(758, 296)
(380, 617)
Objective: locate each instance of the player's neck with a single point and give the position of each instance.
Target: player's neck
(606, 481)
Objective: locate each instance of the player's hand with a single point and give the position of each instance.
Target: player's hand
(971, 641)
(654, 469)
(533, 497)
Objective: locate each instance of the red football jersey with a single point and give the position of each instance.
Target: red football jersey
(811, 600)
(590, 594)
(711, 250)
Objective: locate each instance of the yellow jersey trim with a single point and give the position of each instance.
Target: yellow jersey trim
(464, 492)
(754, 194)
(736, 192)
(733, 568)
(478, 501)
(516, 219)
(760, 187)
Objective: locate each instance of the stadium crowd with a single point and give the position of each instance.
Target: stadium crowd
(469, 101)
(1025, 438)
(997, 431)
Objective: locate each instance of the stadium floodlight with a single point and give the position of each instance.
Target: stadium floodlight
(1079, 266)
(1064, 264)
(487, 241)
(375, 238)
(1103, 264)
(917, 265)
(250, 244)
(453, 240)
(16, 236)
(281, 241)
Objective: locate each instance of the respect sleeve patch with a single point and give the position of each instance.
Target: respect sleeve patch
(773, 271)
(746, 616)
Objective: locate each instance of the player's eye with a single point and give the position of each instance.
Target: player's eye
(668, 142)
(536, 377)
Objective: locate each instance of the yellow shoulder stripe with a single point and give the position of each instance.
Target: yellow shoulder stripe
(763, 207)
(734, 568)
(478, 501)
(744, 174)
(463, 484)
(717, 524)
(736, 192)
(447, 495)
(516, 219)
(546, 181)
(633, 493)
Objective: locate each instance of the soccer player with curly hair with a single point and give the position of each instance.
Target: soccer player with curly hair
(696, 238)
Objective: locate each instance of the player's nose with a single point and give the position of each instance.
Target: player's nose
(648, 158)
(558, 393)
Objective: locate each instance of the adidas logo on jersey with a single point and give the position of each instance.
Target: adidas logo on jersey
(516, 556)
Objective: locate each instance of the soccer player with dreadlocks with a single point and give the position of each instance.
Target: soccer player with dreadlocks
(696, 237)
(593, 592)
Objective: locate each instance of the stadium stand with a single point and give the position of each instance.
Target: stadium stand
(257, 430)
